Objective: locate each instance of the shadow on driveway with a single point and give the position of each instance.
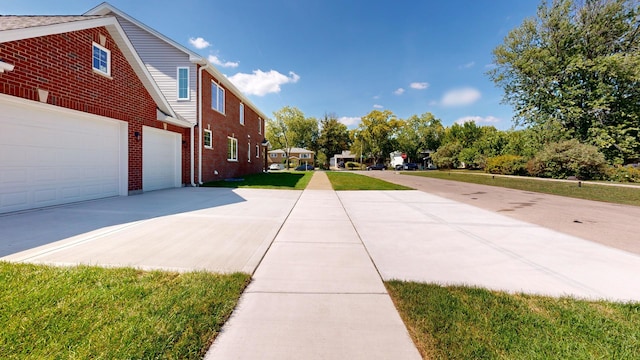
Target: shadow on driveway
(29, 229)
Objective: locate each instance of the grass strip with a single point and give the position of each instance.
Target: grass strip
(294, 180)
(351, 181)
(96, 313)
(456, 322)
(587, 190)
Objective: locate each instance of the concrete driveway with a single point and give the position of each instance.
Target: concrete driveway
(216, 229)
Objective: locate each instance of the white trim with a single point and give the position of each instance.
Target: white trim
(210, 139)
(5, 67)
(259, 125)
(241, 111)
(188, 97)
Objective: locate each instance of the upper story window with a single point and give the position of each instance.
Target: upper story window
(242, 113)
(217, 97)
(207, 141)
(305, 156)
(101, 60)
(183, 83)
(259, 125)
(273, 155)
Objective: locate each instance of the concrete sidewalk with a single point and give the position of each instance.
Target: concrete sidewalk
(316, 294)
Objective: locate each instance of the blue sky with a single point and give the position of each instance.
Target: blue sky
(339, 56)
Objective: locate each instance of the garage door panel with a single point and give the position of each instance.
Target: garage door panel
(50, 156)
(161, 160)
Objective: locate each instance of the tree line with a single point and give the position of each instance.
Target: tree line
(572, 76)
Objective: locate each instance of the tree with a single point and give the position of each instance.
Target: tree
(577, 64)
(334, 137)
(418, 134)
(289, 128)
(376, 134)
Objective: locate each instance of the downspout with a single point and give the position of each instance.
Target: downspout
(191, 133)
(200, 123)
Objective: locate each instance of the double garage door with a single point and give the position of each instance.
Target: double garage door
(51, 156)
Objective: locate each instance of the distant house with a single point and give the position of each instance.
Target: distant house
(296, 156)
(338, 160)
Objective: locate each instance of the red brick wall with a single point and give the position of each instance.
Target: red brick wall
(62, 64)
(228, 125)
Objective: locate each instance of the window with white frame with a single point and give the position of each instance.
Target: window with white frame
(217, 97)
(232, 149)
(257, 151)
(207, 139)
(273, 155)
(305, 156)
(101, 60)
(183, 83)
(242, 113)
(249, 152)
(259, 125)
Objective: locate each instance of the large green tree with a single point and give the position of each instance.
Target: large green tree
(577, 64)
(418, 134)
(334, 137)
(376, 135)
(289, 128)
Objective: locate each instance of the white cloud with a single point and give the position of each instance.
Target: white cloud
(468, 65)
(460, 97)
(376, 106)
(261, 83)
(227, 64)
(199, 43)
(349, 121)
(399, 91)
(419, 85)
(376, 97)
(478, 120)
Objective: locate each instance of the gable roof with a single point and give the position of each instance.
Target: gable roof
(105, 9)
(13, 28)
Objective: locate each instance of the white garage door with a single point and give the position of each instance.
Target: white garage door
(161, 162)
(51, 156)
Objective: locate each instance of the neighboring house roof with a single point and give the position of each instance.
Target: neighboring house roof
(13, 22)
(106, 8)
(292, 151)
(13, 28)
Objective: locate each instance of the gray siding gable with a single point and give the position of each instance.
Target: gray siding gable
(162, 60)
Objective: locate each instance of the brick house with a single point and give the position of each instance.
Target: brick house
(296, 156)
(76, 103)
(100, 105)
(229, 129)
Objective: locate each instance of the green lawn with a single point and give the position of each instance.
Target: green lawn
(471, 323)
(351, 181)
(587, 190)
(294, 180)
(96, 313)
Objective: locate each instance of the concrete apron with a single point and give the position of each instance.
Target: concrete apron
(213, 229)
(316, 295)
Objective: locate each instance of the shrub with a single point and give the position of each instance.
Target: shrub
(623, 174)
(506, 165)
(568, 158)
(446, 157)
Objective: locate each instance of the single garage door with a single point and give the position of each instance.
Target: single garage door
(161, 161)
(51, 156)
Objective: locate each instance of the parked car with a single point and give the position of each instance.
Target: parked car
(376, 167)
(410, 166)
(274, 166)
(304, 167)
